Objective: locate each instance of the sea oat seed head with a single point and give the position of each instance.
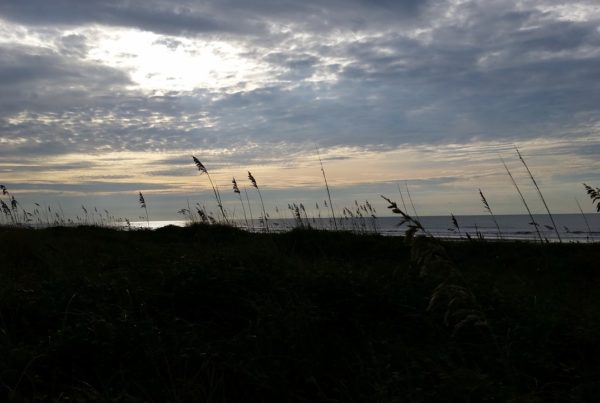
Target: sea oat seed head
(252, 180)
(200, 166)
(236, 189)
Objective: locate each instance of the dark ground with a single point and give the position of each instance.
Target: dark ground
(213, 314)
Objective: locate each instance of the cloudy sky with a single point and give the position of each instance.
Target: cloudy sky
(101, 99)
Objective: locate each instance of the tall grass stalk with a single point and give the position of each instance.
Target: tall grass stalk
(254, 184)
(9, 211)
(297, 215)
(249, 209)
(14, 205)
(414, 224)
(402, 197)
(523, 200)
(318, 209)
(190, 212)
(587, 224)
(85, 211)
(371, 210)
(594, 194)
(328, 191)
(303, 209)
(489, 210)
(203, 170)
(236, 190)
(411, 201)
(143, 205)
(539, 193)
(455, 223)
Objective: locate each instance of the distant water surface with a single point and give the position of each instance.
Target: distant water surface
(571, 227)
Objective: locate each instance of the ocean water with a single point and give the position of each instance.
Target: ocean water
(571, 227)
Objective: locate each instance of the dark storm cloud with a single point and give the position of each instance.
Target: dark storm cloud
(62, 104)
(51, 98)
(499, 74)
(534, 80)
(152, 16)
(35, 72)
(228, 16)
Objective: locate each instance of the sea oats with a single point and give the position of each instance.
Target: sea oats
(215, 189)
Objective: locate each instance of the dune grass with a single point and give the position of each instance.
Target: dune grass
(265, 216)
(143, 205)
(236, 190)
(539, 191)
(487, 207)
(211, 313)
(202, 169)
(215, 314)
(533, 222)
(335, 226)
(360, 218)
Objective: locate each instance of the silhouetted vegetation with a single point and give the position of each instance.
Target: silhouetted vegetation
(212, 313)
(91, 309)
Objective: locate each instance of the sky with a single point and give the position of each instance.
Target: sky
(102, 99)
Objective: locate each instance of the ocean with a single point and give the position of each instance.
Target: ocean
(570, 227)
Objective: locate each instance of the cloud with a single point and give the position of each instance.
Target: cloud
(230, 16)
(15, 165)
(374, 75)
(88, 187)
(73, 45)
(42, 88)
(154, 16)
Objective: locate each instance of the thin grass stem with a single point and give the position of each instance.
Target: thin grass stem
(142, 205)
(539, 193)
(236, 190)
(523, 200)
(249, 209)
(489, 210)
(587, 224)
(255, 185)
(202, 170)
(401, 197)
(328, 191)
(411, 201)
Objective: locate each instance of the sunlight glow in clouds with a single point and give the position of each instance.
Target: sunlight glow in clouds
(162, 63)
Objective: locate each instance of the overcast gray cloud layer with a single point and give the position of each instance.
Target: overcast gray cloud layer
(359, 73)
(197, 17)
